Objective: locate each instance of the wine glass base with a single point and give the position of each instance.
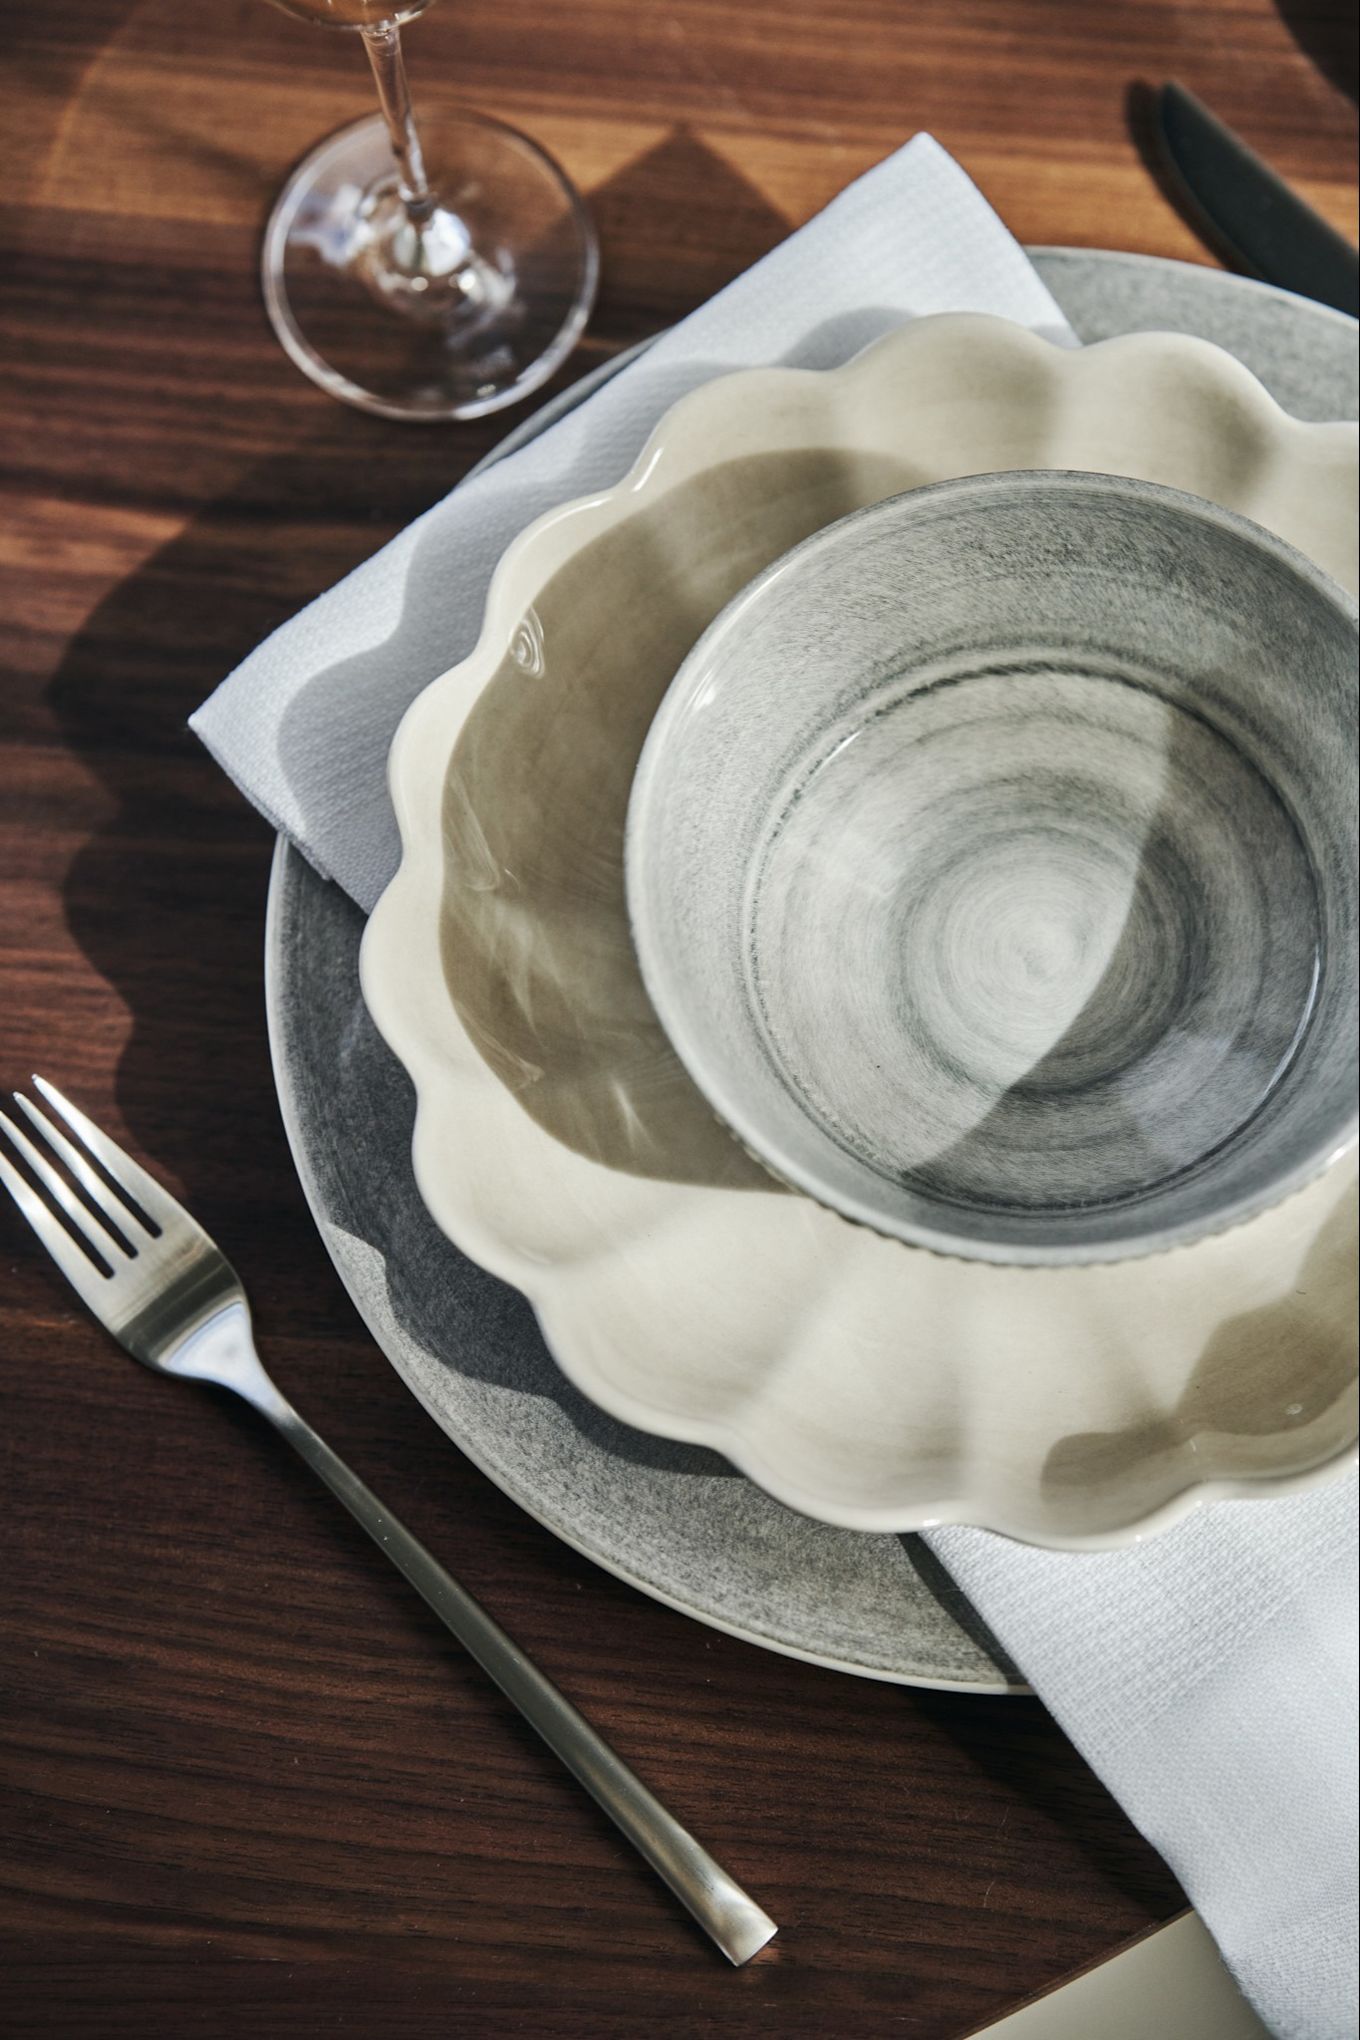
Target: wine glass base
(468, 314)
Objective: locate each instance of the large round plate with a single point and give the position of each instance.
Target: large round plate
(674, 1520)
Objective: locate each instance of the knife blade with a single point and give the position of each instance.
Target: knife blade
(1267, 227)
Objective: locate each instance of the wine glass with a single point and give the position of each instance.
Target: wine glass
(424, 276)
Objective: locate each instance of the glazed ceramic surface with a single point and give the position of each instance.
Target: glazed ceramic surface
(672, 1519)
(992, 867)
(561, 1143)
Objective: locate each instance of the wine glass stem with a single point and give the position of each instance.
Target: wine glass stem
(394, 97)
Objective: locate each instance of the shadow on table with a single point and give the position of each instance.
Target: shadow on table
(1016, 1743)
(1330, 38)
(165, 897)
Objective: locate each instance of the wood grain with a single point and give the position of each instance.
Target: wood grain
(249, 1786)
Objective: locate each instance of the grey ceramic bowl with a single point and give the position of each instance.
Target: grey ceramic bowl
(992, 867)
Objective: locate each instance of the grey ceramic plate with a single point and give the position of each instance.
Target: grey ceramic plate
(674, 1520)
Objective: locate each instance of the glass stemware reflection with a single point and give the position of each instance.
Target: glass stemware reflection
(424, 274)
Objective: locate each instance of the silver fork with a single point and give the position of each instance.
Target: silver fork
(156, 1281)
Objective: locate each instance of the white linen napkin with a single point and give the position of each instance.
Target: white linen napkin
(1209, 1675)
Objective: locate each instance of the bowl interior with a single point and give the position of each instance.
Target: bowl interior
(992, 867)
(560, 1140)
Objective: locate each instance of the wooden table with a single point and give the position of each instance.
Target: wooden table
(249, 1786)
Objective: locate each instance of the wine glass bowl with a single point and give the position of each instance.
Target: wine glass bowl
(424, 275)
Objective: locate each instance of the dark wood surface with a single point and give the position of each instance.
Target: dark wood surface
(249, 1787)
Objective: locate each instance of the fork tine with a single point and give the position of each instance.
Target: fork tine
(111, 1209)
(80, 1215)
(143, 1188)
(87, 1280)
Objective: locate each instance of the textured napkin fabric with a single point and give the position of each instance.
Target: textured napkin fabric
(1209, 1676)
(304, 726)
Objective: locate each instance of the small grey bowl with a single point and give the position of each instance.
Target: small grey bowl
(991, 864)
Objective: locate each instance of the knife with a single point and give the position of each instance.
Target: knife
(1262, 222)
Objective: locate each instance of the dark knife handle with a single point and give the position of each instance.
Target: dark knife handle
(1267, 227)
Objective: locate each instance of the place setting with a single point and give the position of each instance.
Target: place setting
(561, 1139)
(811, 978)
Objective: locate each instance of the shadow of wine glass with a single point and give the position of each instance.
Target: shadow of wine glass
(1330, 38)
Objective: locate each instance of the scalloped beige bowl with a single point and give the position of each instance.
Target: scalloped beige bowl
(559, 1141)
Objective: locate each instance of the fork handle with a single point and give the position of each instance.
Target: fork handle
(718, 1903)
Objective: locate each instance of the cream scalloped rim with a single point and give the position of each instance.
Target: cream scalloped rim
(760, 1325)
